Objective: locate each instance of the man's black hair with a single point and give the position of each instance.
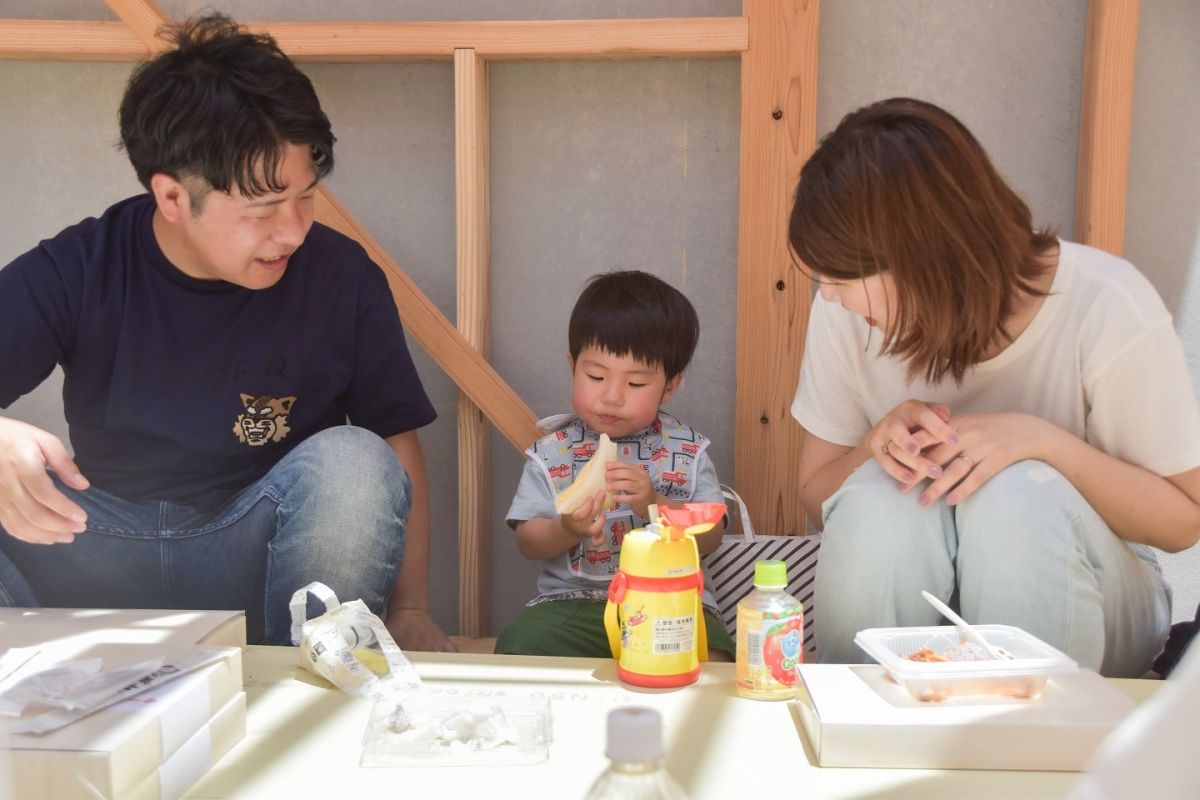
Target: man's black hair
(222, 106)
(635, 313)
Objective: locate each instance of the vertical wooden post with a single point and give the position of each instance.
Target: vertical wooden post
(1104, 122)
(472, 210)
(779, 123)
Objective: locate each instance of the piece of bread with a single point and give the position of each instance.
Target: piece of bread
(591, 479)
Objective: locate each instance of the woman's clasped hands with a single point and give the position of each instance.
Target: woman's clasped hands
(918, 441)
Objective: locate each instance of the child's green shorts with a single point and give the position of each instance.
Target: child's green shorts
(576, 628)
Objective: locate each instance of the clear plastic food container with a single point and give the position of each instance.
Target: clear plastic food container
(1022, 676)
(457, 730)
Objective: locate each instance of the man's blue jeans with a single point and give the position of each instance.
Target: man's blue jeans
(333, 510)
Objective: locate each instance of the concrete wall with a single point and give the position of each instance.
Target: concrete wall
(595, 166)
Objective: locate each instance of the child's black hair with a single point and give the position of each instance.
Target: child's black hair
(635, 313)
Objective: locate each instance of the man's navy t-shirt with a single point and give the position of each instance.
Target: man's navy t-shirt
(189, 390)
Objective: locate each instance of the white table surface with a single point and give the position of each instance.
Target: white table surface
(304, 740)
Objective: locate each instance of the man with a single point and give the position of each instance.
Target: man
(214, 341)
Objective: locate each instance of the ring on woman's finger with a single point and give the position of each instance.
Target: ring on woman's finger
(884, 449)
(966, 458)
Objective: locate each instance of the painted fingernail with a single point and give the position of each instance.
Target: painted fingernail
(954, 438)
(935, 471)
(908, 477)
(911, 447)
(923, 500)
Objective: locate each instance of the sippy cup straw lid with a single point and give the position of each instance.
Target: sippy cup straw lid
(693, 517)
(634, 735)
(770, 574)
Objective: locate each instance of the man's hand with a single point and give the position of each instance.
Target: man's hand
(32, 509)
(414, 629)
(630, 483)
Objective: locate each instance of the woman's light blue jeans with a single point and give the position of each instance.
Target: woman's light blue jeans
(1024, 549)
(333, 510)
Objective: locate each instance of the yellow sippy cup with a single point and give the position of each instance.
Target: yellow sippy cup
(654, 619)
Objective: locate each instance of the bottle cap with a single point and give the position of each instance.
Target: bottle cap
(770, 574)
(634, 735)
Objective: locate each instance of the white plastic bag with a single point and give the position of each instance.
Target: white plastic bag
(328, 646)
(56, 686)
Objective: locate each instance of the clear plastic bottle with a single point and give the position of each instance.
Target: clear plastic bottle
(636, 750)
(770, 636)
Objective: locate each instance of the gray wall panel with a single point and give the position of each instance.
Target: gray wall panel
(1010, 71)
(395, 174)
(1162, 220)
(601, 166)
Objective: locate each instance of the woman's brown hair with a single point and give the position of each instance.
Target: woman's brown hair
(902, 186)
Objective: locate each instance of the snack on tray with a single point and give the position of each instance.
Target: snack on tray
(482, 726)
(590, 479)
(433, 729)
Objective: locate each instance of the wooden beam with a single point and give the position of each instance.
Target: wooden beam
(779, 91)
(703, 37)
(1104, 122)
(143, 18)
(46, 40)
(359, 42)
(472, 212)
(462, 362)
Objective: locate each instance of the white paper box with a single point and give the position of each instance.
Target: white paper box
(76, 629)
(197, 755)
(110, 752)
(856, 716)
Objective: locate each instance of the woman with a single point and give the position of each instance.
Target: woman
(992, 414)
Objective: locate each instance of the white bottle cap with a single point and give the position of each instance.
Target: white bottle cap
(634, 735)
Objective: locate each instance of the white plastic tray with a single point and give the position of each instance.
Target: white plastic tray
(1023, 676)
(383, 747)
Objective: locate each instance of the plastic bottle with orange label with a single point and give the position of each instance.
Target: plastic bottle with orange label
(770, 636)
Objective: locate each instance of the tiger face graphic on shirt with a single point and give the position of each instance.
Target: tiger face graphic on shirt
(264, 419)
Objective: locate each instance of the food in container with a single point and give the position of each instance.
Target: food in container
(963, 651)
(1023, 676)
